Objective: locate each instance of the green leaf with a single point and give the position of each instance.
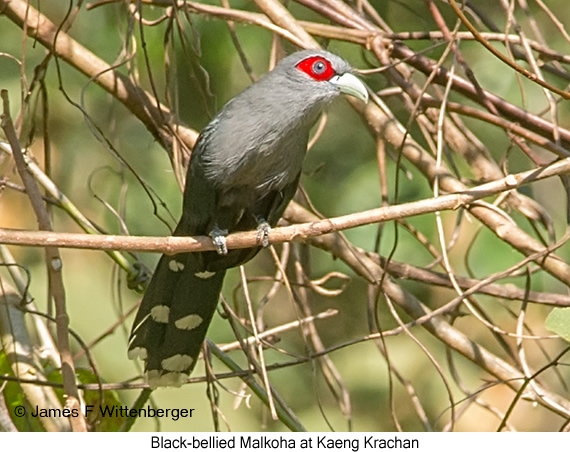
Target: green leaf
(14, 398)
(95, 419)
(110, 398)
(558, 321)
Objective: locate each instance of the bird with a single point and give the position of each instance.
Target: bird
(243, 171)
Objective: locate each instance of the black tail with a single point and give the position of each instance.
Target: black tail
(173, 318)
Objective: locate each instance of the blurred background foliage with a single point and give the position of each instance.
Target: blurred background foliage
(340, 175)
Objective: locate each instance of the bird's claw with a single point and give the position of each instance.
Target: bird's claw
(219, 239)
(220, 244)
(263, 230)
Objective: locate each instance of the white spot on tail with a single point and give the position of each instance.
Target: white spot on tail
(156, 378)
(204, 275)
(160, 313)
(189, 322)
(137, 353)
(175, 265)
(177, 363)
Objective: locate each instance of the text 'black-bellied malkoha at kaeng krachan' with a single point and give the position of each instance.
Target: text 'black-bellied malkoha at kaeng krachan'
(244, 170)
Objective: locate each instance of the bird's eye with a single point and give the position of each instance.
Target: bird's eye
(316, 67)
(319, 67)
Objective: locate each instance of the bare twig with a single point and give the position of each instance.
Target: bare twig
(54, 264)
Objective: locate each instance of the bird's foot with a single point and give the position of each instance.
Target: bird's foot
(219, 238)
(263, 230)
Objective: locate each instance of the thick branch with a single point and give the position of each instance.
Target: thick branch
(296, 232)
(156, 117)
(386, 126)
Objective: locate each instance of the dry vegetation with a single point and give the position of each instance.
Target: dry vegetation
(432, 317)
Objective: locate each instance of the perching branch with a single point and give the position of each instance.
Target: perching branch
(295, 232)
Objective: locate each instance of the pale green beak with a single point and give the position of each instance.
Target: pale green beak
(349, 84)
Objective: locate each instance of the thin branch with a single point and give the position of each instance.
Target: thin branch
(531, 76)
(54, 264)
(156, 117)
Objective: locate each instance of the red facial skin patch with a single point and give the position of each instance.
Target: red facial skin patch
(317, 68)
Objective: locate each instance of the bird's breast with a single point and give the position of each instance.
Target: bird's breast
(263, 162)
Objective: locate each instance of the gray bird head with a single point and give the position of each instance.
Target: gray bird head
(298, 89)
(318, 77)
